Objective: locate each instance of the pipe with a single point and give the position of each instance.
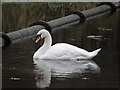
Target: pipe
(71, 19)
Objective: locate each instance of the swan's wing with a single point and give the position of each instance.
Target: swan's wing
(64, 51)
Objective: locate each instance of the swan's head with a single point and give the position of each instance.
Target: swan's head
(42, 34)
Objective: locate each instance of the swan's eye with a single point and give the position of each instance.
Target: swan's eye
(39, 35)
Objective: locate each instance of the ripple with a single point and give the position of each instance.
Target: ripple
(15, 78)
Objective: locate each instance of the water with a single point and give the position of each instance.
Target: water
(20, 72)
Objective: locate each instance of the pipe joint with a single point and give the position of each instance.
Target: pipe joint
(6, 40)
(113, 7)
(80, 14)
(43, 23)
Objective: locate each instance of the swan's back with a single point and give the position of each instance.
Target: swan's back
(65, 51)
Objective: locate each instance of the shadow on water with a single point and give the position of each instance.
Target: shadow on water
(20, 72)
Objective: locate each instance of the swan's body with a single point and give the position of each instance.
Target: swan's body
(60, 50)
(56, 63)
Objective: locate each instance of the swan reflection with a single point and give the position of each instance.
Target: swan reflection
(44, 69)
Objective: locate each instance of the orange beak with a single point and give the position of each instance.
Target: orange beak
(38, 38)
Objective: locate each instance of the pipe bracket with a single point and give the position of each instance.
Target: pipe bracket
(80, 14)
(113, 7)
(43, 23)
(7, 40)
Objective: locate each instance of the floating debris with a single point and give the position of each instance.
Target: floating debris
(105, 29)
(72, 39)
(99, 38)
(15, 78)
(12, 68)
(85, 78)
(93, 36)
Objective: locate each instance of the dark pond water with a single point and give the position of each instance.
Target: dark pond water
(20, 72)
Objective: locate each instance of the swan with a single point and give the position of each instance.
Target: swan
(60, 50)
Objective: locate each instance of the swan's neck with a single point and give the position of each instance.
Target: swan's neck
(47, 42)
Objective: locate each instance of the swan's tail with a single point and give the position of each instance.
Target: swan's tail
(94, 53)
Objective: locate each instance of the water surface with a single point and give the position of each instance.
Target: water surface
(20, 72)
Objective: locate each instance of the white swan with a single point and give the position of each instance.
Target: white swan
(60, 50)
